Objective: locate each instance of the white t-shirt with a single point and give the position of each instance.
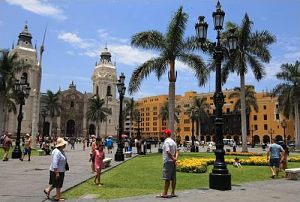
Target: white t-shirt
(169, 145)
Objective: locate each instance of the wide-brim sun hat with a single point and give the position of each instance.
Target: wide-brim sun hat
(60, 142)
(27, 135)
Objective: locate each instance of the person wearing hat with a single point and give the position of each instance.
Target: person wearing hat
(170, 156)
(6, 145)
(27, 147)
(57, 169)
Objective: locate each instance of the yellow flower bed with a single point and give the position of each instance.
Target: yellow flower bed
(199, 165)
(243, 153)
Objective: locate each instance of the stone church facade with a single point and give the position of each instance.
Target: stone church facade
(72, 121)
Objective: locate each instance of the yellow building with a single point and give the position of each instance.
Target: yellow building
(262, 125)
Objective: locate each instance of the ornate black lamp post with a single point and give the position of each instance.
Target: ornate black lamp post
(193, 148)
(119, 156)
(271, 131)
(219, 178)
(284, 125)
(22, 90)
(108, 95)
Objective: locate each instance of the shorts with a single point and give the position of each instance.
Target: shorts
(56, 182)
(27, 151)
(169, 170)
(274, 162)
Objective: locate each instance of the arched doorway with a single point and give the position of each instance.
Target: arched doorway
(214, 138)
(236, 139)
(208, 138)
(228, 137)
(256, 139)
(289, 138)
(278, 138)
(186, 138)
(92, 129)
(266, 139)
(70, 128)
(46, 128)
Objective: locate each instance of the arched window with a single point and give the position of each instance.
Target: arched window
(25, 75)
(72, 104)
(108, 91)
(97, 90)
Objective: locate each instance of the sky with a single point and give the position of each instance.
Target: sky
(78, 30)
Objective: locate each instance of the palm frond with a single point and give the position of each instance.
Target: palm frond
(148, 40)
(256, 66)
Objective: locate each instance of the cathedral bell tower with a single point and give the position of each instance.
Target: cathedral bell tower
(27, 54)
(104, 85)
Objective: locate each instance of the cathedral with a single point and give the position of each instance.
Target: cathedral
(72, 121)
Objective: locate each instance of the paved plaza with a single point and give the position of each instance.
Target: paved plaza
(25, 181)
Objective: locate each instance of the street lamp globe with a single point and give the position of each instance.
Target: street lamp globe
(218, 16)
(201, 28)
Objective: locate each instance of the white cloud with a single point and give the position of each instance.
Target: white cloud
(76, 41)
(40, 7)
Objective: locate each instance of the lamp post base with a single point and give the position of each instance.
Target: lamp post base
(220, 181)
(16, 153)
(193, 149)
(119, 156)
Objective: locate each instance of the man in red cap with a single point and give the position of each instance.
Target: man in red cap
(170, 156)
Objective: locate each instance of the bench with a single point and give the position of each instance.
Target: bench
(292, 173)
(41, 152)
(107, 162)
(128, 154)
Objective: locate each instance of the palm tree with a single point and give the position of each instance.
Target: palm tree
(131, 109)
(252, 51)
(171, 47)
(288, 94)
(10, 66)
(52, 104)
(97, 111)
(164, 113)
(200, 107)
(250, 99)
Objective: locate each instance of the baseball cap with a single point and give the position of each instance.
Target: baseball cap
(167, 132)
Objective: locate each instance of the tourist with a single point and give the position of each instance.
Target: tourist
(27, 147)
(284, 159)
(237, 163)
(126, 145)
(109, 143)
(6, 145)
(274, 153)
(57, 169)
(92, 153)
(170, 156)
(83, 144)
(99, 157)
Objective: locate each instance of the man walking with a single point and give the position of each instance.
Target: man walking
(275, 152)
(170, 156)
(7, 144)
(27, 147)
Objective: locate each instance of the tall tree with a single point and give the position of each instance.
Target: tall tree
(289, 94)
(97, 111)
(10, 66)
(164, 113)
(171, 47)
(252, 51)
(250, 99)
(52, 104)
(131, 109)
(200, 107)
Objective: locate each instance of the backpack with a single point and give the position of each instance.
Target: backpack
(2, 139)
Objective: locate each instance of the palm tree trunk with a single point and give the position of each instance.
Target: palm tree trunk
(172, 80)
(130, 125)
(243, 114)
(98, 125)
(199, 128)
(297, 124)
(2, 114)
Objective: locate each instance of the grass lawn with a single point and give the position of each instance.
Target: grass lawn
(143, 175)
(33, 152)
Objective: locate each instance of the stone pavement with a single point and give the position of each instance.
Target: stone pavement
(25, 181)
